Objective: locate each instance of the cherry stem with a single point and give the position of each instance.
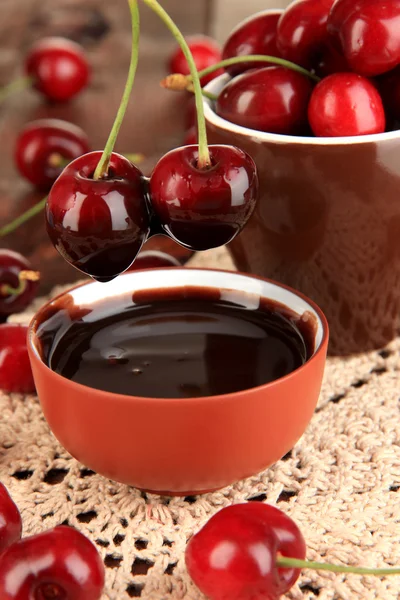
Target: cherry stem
(15, 86)
(236, 60)
(31, 212)
(102, 167)
(286, 562)
(23, 277)
(204, 159)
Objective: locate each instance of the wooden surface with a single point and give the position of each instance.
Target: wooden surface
(155, 118)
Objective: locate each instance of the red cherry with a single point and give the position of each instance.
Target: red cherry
(205, 51)
(59, 68)
(369, 34)
(346, 104)
(191, 137)
(12, 264)
(302, 30)
(153, 259)
(15, 368)
(42, 143)
(99, 225)
(255, 35)
(234, 555)
(204, 208)
(10, 520)
(59, 564)
(273, 99)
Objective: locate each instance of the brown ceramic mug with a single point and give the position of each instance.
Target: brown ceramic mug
(327, 224)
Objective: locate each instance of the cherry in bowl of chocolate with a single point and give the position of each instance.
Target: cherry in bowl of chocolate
(178, 380)
(327, 223)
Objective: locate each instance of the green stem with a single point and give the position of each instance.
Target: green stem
(23, 278)
(102, 167)
(204, 155)
(284, 561)
(15, 86)
(31, 212)
(257, 58)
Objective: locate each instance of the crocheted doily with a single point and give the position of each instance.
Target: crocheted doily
(341, 484)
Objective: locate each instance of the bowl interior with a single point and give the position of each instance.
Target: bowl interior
(91, 301)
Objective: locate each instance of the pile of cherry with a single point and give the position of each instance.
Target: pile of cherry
(352, 46)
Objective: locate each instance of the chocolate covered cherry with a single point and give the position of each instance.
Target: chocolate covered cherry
(369, 34)
(43, 147)
(58, 67)
(99, 225)
(59, 564)
(234, 556)
(202, 208)
(256, 35)
(273, 99)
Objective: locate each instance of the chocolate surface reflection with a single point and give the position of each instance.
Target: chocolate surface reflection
(328, 224)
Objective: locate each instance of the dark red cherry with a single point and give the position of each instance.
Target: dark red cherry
(330, 60)
(302, 30)
(45, 146)
(10, 520)
(233, 557)
(98, 226)
(205, 51)
(346, 104)
(204, 208)
(154, 259)
(59, 68)
(15, 369)
(59, 564)
(388, 85)
(18, 282)
(273, 99)
(369, 34)
(255, 35)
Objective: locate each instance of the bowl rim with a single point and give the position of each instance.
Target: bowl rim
(31, 334)
(215, 86)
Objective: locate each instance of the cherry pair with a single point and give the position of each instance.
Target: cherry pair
(59, 564)
(100, 225)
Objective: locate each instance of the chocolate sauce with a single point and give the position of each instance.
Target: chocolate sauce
(179, 343)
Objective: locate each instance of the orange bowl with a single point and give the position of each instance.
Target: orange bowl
(177, 446)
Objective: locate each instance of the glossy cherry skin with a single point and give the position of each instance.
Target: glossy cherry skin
(233, 557)
(40, 142)
(256, 35)
(273, 99)
(205, 51)
(59, 68)
(369, 34)
(204, 208)
(99, 226)
(11, 265)
(15, 368)
(59, 564)
(153, 259)
(302, 30)
(346, 104)
(10, 520)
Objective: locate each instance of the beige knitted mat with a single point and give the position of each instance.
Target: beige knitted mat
(341, 483)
